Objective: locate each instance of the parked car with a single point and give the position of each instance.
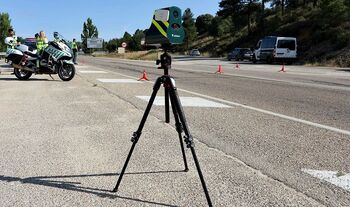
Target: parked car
(276, 49)
(195, 52)
(248, 55)
(240, 54)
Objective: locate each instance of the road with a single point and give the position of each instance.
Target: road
(264, 138)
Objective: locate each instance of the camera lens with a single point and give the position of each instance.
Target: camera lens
(176, 14)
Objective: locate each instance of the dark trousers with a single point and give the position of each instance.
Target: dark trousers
(75, 55)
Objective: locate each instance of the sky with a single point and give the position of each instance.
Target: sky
(112, 17)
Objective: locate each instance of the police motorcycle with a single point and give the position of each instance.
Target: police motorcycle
(55, 59)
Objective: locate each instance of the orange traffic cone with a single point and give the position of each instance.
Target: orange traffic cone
(238, 66)
(220, 70)
(282, 69)
(144, 76)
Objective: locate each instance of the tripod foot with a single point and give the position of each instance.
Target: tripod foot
(114, 190)
(186, 170)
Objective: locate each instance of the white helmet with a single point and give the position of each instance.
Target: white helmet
(9, 40)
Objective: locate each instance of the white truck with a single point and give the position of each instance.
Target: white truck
(276, 49)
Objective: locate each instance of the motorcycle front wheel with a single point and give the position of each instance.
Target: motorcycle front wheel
(22, 74)
(66, 72)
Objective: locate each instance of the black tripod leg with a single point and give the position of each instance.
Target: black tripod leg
(201, 176)
(179, 131)
(188, 139)
(167, 114)
(137, 134)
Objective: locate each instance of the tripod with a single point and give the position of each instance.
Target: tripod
(180, 121)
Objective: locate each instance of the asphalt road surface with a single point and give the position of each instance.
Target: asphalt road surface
(263, 137)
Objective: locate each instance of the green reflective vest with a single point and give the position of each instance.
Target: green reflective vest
(74, 46)
(40, 44)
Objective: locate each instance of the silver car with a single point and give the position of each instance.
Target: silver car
(195, 52)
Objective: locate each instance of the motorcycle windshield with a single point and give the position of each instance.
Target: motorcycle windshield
(62, 39)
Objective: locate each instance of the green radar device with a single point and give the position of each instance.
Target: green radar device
(166, 27)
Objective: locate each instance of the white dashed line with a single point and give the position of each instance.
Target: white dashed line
(92, 71)
(118, 81)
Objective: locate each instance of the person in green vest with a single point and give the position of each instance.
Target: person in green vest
(41, 44)
(75, 51)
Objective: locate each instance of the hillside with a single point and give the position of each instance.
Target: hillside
(323, 34)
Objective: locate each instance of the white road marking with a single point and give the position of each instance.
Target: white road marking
(92, 71)
(321, 126)
(81, 66)
(6, 69)
(187, 101)
(183, 63)
(118, 81)
(339, 179)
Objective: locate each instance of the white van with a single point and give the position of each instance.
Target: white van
(276, 49)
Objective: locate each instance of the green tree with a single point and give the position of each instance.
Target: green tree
(281, 4)
(214, 25)
(220, 26)
(315, 2)
(203, 23)
(112, 45)
(293, 3)
(262, 15)
(189, 27)
(137, 37)
(236, 9)
(333, 12)
(89, 31)
(229, 8)
(248, 8)
(5, 24)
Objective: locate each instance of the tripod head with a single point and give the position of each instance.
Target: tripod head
(165, 61)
